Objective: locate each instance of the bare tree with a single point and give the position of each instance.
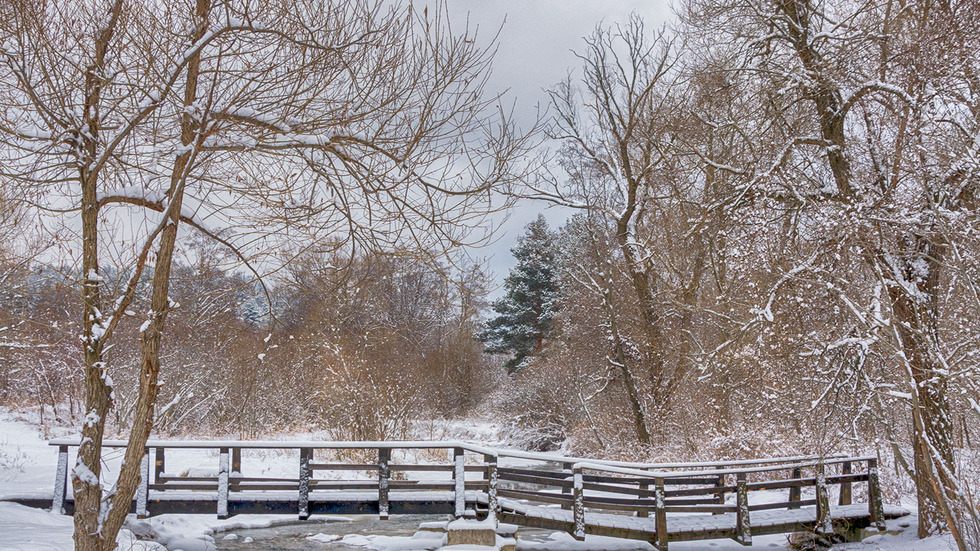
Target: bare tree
(267, 127)
(872, 116)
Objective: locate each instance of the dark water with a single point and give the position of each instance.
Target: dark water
(294, 536)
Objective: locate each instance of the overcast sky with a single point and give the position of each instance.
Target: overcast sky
(534, 53)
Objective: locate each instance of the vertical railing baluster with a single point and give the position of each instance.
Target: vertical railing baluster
(384, 474)
(305, 456)
(874, 496)
(60, 482)
(578, 507)
(143, 490)
(223, 483)
(845, 487)
(660, 513)
(743, 525)
(644, 487)
(566, 484)
(159, 465)
(720, 483)
(459, 479)
(236, 468)
(795, 491)
(824, 521)
(493, 478)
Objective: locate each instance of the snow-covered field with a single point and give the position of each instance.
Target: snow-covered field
(27, 466)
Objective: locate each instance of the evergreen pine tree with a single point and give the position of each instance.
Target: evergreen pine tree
(526, 312)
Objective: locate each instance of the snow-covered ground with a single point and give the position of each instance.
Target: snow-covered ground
(27, 466)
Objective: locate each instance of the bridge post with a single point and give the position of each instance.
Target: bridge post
(143, 490)
(159, 465)
(492, 480)
(236, 468)
(384, 474)
(60, 481)
(743, 526)
(874, 496)
(566, 485)
(825, 524)
(796, 492)
(223, 483)
(845, 487)
(578, 509)
(660, 513)
(644, 487)
(720, 483)
(459, 480)
(305, 455)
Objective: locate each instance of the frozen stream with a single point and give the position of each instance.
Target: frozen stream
(296, 536)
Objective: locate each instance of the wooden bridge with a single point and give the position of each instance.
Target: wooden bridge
(658, 503)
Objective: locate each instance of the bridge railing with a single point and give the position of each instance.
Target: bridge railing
(602, 488)
(369, 471)
(459, 475)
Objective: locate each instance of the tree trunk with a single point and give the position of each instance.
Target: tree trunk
(85, 477)
(916, 322)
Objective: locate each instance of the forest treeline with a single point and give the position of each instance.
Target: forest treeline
(772, 247)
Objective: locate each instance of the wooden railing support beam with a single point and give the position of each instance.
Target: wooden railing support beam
(660, 514)
(845, 487)
(143, 490)
(493, 479)
(459, 482)
(223, 483)
(305, 456)
(825, 524)
(60, 482)
(384, 475)
(578, 507)
(796, 492)
(743, 526)
(874, 496)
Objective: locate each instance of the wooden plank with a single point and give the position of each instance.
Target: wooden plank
(643, 487)
(223, 483)
(713, 509)
(845, 485)
(343, 466)
(566, 487)
(783, 505)
(660, 515)
(540, 497)
(578, 506)
(303, 501)
(421, 468)
(743, 525)
(720, 489)
(824, 524)
(236, 468)
(384, 474)
(143, 490)
(159, 463)
(493, 479)
(795, 491)
(874, 496)
(554, 475)
(459, 482)
(60, 482)
(781, 484)
(420, 486)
